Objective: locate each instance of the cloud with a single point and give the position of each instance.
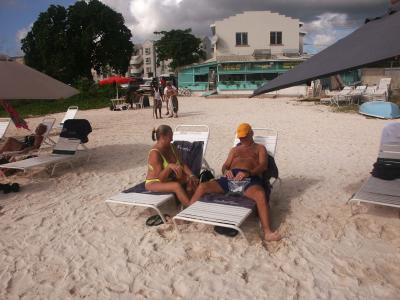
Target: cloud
(144, 17)
(327, 28)
(21, 33)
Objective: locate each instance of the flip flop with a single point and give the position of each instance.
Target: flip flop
(156, 220)
(230, 232)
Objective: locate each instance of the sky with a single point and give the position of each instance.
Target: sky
(325, 21)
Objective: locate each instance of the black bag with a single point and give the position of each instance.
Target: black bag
(77, 129)
(272, 171)
(386, 169)
(206, 175)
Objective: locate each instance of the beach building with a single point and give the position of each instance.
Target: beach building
(143, 62)
(248, 49)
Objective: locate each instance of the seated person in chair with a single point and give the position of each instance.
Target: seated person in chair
(30, 142)
(245, 161)
(166, 172)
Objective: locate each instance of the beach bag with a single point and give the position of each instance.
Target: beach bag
(174, 101)
(386, 169)
(206, 175)
(77, 129)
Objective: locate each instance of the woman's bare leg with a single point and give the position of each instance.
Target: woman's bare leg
(11, 144)
(169, 187)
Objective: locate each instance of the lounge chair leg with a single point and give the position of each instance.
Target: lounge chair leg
(242, 233)
(176, 228)
(160, 214)
(115, 215)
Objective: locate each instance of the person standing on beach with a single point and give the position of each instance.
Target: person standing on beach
(171, 93)
(163, 84)
(157, 100)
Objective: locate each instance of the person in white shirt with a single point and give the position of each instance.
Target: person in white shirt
(170, 94)
(157, 101)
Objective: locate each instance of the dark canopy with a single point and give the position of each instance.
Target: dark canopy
(377, 40)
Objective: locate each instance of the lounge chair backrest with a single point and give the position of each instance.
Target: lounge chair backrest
(193, 133)
(191, 154)
(4, 123)
(66, 146)
(384, 83)
(265, 136)
(390, 135)
(49, 122)
(70, 114)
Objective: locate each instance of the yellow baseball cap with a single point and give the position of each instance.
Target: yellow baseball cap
(243, 130)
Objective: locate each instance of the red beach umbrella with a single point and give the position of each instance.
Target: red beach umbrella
(115, 80)
(14, 115)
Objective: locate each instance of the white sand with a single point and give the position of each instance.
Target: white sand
(59, 241)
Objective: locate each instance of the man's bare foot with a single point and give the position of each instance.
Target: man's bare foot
(272, 236)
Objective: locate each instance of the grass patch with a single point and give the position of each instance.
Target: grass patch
(90, 98)
(352, 108)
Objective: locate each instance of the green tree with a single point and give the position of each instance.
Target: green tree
(68, 43)
(182, 47)
(45, 44)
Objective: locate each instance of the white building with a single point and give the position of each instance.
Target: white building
(144, 61)
(253, 32)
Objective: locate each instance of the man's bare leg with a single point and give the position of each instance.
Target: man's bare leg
(205, 188)
(257, 194)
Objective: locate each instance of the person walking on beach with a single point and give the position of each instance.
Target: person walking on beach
(166, 172)
(171, 93)
(246, 161)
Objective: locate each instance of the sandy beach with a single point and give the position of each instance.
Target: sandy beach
(59, 240)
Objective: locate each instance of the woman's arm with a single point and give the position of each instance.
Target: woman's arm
(156, 170)
(36, 144)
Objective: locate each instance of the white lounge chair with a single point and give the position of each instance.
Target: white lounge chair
(379, 92)
(342, 96)
(376, 190)
(4, 123)
(355, 95)
(189, 133)
(70, 114)
(223, 211)
(49, 122)
(63, 152)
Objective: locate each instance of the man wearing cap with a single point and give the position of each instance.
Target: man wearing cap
(245, 162)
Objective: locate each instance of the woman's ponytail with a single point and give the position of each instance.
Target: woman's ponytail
(154, 134)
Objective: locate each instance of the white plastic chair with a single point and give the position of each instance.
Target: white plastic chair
(342, 96)
(189, 133)
(222, 213)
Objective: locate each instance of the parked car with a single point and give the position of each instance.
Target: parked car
(146, 86)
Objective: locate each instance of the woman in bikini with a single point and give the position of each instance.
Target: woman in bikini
(30, 142)
(166, 173)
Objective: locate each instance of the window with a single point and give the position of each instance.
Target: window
(241, 38)
(148, 70)
(148, 61)
(275, 38)
(147, 51)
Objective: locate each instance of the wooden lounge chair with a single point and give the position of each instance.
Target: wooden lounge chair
(224, 211)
